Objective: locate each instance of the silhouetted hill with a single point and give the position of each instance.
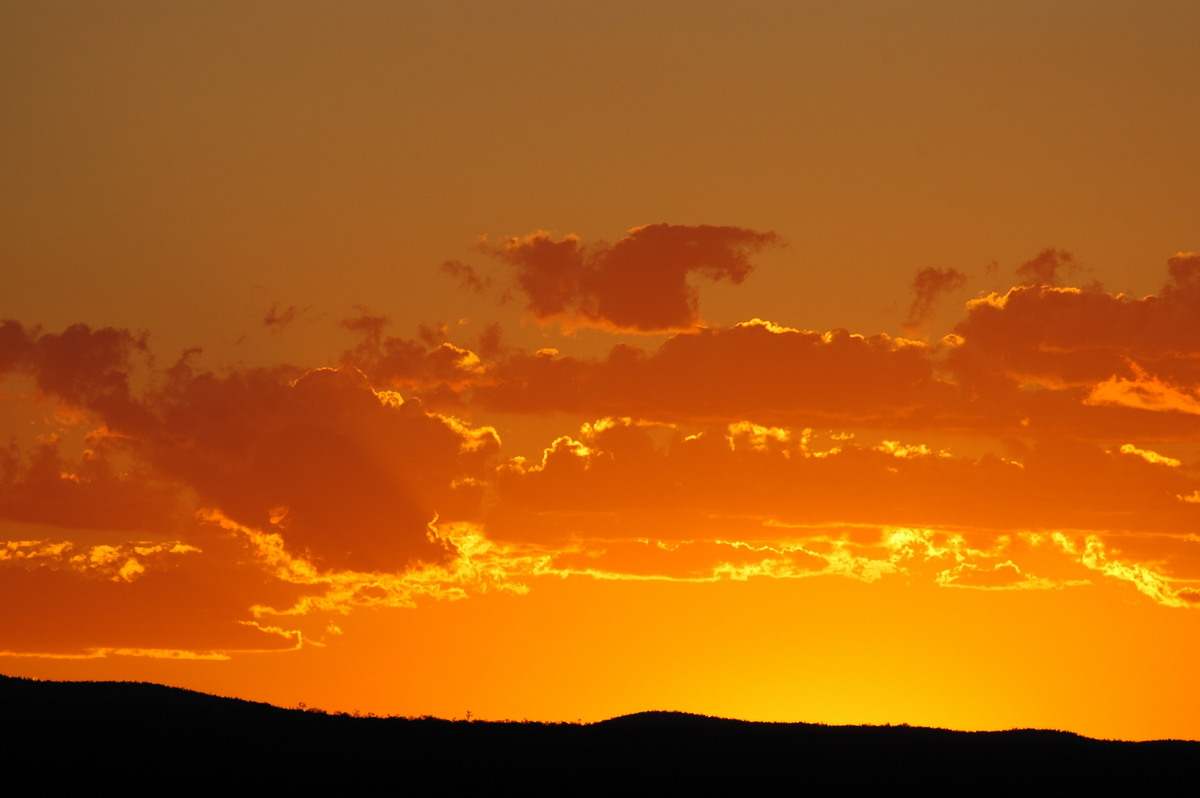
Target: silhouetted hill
(147, 738)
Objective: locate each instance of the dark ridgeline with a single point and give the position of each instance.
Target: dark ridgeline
(146, 738)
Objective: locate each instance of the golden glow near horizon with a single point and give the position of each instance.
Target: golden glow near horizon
(828, 364)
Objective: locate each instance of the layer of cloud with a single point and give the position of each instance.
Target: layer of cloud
(1034, 360)
(1048, 442)
(620, 479)
(755, 370)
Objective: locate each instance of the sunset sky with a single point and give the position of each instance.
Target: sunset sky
(810, 361)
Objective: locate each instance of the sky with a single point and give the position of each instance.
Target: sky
(833, 362)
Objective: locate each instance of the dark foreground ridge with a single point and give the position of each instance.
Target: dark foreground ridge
(146, 738)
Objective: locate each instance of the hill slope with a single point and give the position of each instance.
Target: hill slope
(153, 739)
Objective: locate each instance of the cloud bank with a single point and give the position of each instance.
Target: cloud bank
(1047, 443)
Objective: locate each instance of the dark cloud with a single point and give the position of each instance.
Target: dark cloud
(466, 276)
(351, 478)
(928, 285)
(491, 341)
(432, 334)
(638, 284)
(1070, 336)
(82, 366)
(1034, 360)
(752, 371)
(1043, 268)
(95, 491)
(275, 318)
(430, 368)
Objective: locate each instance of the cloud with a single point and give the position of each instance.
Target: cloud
(278, 319)
(1143, 392)
(1043, 268)
(619, 479)
(466, 276)
(928, 285)
(348, 480)
(62, 598)
(491, 341)
(427, 368)
(96, 491)
(622, 497)
(1063, 338)
(81, 366)
(1035, 359)
(638, 284)
(754, 451)
(755, 370)
(352, 477)
(1183, 276)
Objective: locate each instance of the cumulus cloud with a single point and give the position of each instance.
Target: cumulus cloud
(1058, 336)
(352, 477)
(346, 478)
(638, 284)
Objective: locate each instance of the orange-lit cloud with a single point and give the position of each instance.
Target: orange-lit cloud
(1143, 392)
(435, 371)
(132, 598)
(1035, 359)
(623, 480)
(1069, 336)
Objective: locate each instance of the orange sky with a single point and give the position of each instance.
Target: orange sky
(793, 361)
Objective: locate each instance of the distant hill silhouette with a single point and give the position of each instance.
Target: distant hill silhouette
(146, 738)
